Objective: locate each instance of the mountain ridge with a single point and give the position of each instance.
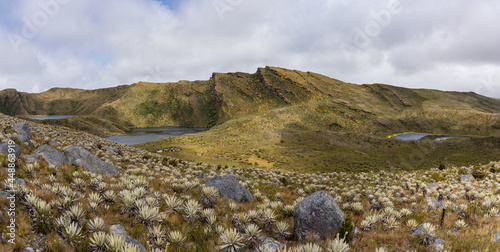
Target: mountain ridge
(283, 118)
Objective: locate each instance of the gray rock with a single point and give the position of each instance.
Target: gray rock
(238, 177)
(52, 156)
(317, 213)
(112, 150)
(4, 194)
(44, 191)
(418, 230)
(435, 203)
(23, 139)
(79, 156)
(23, 128)
(4, 149)
(269, 243)
(118, 229)
(230, 188)
(30, 158)
(129, 239)
(438, 242)
(466, 177)
(497, 237)
(29, 249)
(19, 181)
(55, 143)
(431, 185)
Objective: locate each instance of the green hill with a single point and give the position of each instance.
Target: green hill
(283, 118)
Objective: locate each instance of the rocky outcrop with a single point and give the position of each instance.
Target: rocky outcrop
(318, 213)
(78, 156)
(23, 129)
(52, 156)
(26, 141)
(112, 150)
(230, 188)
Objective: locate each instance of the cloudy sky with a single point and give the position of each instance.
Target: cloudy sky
(447, 45)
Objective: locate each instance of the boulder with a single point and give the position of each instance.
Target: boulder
(19, 181)
(466, 177)
(141, 247)
(55, 143)
(431, 185)
(438, 242)
(52, 156)
(29, 249)
(24, 129)
(118, 229)
(78, 156)
(4, 194)
(230, 188)
(269, 244)
(239, 177)
(434, 203)
(4, 149)
(112, 150)
(418, 230)
(497, 237)
(24, 140)
(318, 213)
(30, 158)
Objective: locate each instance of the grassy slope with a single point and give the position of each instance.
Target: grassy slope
(331, 125)
(284, 119)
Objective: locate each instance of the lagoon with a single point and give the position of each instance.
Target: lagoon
(419, 136)
(144, 135)
(50, 117)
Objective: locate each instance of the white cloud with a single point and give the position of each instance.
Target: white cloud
(94, 44)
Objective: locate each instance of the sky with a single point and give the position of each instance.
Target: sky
(445, 45)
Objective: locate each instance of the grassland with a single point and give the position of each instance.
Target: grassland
(158, 201)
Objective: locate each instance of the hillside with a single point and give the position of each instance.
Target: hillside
(283, 118)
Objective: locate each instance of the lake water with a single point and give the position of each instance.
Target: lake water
(417, 136)
(144, 135)
(50, 117)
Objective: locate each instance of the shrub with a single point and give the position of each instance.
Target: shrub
(478, 173)
(346, 231)
(442, 166)
(462, 171)
(437, 177)
(284, 181)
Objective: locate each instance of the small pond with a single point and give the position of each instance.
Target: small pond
(144, 135)
(418, 136)
(50, 117)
